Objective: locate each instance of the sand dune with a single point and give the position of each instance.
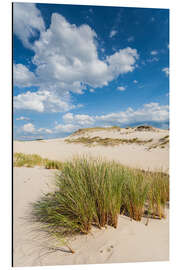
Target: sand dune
(133, 155)
(130, 242)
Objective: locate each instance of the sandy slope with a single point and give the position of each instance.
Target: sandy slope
(131, 241)
(133, 155)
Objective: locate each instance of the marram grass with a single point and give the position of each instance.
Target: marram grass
(94, 192)
(31, 160)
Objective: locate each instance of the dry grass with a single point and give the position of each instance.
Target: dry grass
(144, 128)
(25, 160)
(89, 141)
(85, 130)
(161, 143)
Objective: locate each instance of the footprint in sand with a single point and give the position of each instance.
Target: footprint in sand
(107, 250)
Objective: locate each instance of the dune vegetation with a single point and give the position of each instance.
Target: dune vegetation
(161, 143)
(95, 192)
(82, 131)
(89, 141)
(32, 160)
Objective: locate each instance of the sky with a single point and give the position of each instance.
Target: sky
(85, 66)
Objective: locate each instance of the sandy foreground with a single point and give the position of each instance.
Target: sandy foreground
(131, 242)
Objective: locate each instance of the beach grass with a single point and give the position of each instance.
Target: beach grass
(32, 160)
(93, 192)
(158, 194)
(135, 194)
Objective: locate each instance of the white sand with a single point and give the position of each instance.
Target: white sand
(131, 242)
(133, 155)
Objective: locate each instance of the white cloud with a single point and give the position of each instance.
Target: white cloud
(130, 39)
(68, 117)
(135, 81)
(122, 61)
(28, 128)
(66, 57)
(78, 119)
(41, 101)
(44, 131)
(31, 129)
(121, 88)
(112, 33)
(151, 112)
(154, 52)
(27, 21)
(66, 60)
(22, 118)
(22, 76)
(166, 71)
(67, 128)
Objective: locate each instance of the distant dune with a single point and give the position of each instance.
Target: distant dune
(143, 147)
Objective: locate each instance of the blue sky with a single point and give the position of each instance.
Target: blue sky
(83, 66)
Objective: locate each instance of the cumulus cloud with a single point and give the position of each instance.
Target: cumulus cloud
(44, 131)
(22, 77)
(65, 128)
(28, 128)
(66, 60)
(31, 129)
(166, 71)
(72, 122)
(112, 33)
(122, 61)
(121, 88)
(79, 119)
(151, 112)
(42, 101)
(27, 21)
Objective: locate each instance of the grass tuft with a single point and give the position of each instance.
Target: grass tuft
(31, 160)
(135, 194)
(21, 159)
(94, 192)
(53, 164)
